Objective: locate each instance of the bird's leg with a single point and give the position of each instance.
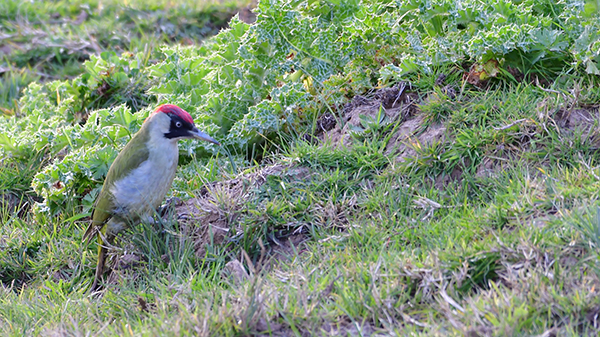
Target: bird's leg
(106, 237)
(168, 206)
(102, 250)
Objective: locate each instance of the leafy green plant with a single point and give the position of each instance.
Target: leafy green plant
(69, 180)
(370, 126)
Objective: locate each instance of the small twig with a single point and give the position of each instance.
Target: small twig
(450, 300)
(462, 89)
(537, 83)
(6, 36)
(424, 202)
(411, 320)
(508, 126)
(400, 92)
(498, 158)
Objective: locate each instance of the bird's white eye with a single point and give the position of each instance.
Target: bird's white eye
(178, 124)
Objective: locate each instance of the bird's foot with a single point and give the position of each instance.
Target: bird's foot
(98, 285)
(169, 206)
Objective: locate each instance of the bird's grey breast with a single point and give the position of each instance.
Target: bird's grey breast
(142, 190)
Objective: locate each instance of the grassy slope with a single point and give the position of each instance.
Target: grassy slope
(509, 253)
(42, 41)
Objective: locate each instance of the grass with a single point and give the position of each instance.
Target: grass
(490, 231)
(501, 256)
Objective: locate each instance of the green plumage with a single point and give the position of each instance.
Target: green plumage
(131, 157)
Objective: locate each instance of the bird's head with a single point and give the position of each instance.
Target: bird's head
(174, 123)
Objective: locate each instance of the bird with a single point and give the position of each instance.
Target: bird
(139, 178)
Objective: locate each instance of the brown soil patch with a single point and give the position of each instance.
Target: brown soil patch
(397, 103)
(246, 14)
(400, 106)
(568, 116)
(576, 118)
(408, 136)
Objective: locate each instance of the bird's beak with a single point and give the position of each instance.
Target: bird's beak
(201, 135)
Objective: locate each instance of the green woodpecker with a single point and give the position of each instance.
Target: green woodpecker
(140, 177)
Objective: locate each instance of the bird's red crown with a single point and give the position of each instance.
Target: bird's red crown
(172, 109)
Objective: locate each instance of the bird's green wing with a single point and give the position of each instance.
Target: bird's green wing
(132, 156)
